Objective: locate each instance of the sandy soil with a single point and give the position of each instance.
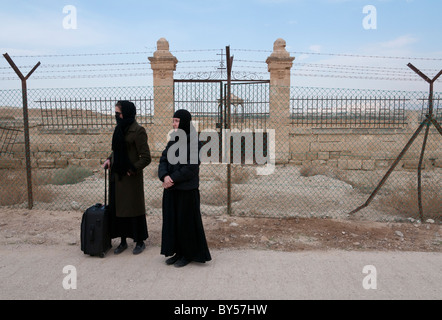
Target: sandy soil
(285, 211)
(44, 228)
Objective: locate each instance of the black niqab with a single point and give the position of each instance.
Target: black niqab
(122, 164)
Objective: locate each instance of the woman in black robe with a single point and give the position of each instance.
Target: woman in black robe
(183, 235)
(130, 155)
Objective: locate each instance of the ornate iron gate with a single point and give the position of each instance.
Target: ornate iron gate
(235, 102)
(207, 101)
(206, 96)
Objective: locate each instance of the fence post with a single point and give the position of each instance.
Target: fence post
(279, 64)
(163, 64)
(24, 90)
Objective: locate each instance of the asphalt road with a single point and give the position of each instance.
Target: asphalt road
(65, 273)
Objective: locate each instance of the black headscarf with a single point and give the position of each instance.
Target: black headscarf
(192, 139)
(122, 164)
(185, 119)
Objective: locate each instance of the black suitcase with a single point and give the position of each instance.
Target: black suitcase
(95, 229)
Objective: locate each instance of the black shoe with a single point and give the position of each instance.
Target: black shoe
(139, 248)
(173, 259)
(181, 262)
(120, 248)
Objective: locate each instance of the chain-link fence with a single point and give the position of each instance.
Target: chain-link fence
(274, 152)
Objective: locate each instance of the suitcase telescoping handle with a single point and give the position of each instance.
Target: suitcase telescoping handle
(106, 174)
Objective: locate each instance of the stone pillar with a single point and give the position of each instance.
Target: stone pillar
(163, 64)
(279, 65)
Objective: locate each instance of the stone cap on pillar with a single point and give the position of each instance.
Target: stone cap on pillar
(279, 52)
(279, 64)
(162, 54)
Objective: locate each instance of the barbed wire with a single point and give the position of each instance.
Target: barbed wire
(328, 74)
(353, 77)
(372, 75)
(368, 56)
(333, 74)
(197, 61)
(81, 65)
(353, 67)
(86, 76)
(375, 72)
(81, 54)
(109, 53)
(196, 50)
(233, 50)
(249, 61)
(245, 65)
(83, 70)
(346, 55)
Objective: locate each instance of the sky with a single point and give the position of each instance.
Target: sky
(362, 44)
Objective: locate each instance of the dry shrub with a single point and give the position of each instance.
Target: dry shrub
(216, 194)
(242, 174)
(239, 175)
(364, 185)
(14, 190)
(334, 173)
(42, 177)
(404, 202)
(43, 194)
(70, 175)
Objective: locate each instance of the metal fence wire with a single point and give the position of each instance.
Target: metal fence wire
(273, 152)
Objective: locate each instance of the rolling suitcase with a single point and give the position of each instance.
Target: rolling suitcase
(95, 229)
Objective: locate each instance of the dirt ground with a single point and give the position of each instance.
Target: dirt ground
(44, 228)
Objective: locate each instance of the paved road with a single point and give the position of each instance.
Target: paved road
(36, 272)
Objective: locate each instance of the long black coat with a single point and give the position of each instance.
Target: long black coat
(129, 191)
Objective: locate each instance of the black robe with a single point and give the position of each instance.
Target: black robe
(125, 227)
(183, 231)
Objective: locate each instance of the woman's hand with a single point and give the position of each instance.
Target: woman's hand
(168, 182)
(106, 164)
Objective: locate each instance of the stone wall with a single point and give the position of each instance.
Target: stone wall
(362, 149)
(347, 149)
(51, 149)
